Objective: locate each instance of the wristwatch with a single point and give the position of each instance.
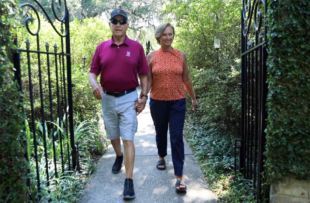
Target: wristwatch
(144, 95)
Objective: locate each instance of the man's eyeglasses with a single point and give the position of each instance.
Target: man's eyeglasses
(115, 21)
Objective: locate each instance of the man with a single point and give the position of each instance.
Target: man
(119, 60)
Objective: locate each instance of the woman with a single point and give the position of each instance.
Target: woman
(167, 77)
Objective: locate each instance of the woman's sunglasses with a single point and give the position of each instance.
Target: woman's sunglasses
(115, 21)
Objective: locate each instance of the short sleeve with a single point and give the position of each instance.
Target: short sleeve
(95, 64)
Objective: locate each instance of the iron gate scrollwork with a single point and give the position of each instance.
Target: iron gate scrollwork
(254, 94)
(45, 80)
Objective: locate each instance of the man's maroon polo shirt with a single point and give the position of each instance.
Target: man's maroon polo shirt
(119, 65)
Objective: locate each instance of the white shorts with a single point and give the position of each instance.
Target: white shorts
(120, 118)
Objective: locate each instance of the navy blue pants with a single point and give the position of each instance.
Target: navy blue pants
(172, 114)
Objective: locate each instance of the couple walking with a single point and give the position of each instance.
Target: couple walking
(164, 72)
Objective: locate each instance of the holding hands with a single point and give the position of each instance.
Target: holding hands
(140, 105)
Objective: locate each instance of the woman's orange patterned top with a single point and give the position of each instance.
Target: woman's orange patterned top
(167, 71)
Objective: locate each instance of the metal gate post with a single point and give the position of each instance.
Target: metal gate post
(254, 94)
(70, 102)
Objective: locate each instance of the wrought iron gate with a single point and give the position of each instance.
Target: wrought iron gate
(45, 80)
(254, 93)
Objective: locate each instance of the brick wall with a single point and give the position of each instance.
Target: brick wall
(290, 190)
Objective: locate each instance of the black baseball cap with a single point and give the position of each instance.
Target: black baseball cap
(117, 12)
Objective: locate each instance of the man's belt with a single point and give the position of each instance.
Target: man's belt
(119, 94)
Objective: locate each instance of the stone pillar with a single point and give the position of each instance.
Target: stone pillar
(290, 190)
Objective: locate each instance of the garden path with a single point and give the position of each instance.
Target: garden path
(151, 185)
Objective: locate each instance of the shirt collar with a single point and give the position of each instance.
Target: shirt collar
(171, 51)
(126, 41)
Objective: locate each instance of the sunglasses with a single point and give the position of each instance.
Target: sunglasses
(115, 21)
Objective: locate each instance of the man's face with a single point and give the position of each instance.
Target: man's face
(117, 28)
(167, 37)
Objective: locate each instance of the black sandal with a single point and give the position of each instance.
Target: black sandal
(161, 162)
(178, 184)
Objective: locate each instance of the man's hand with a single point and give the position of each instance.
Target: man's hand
(98, 92)
(140, 105)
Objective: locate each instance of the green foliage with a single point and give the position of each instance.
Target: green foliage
(214, 73)
(13, 168)
(213, 149)
(91, 141)
(143, 15)
(65, 186)
(68, 188)
(92, 144)
(84, 40)
(288, 122)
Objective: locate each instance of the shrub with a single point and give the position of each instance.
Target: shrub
(12, 141)
(288, 122)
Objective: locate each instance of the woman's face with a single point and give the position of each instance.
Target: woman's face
(167, 37)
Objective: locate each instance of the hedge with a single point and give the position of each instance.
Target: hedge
(288, 100)
(13, 164)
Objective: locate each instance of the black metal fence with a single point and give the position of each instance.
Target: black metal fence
(147, 46)
(45, 80)
(254, 93)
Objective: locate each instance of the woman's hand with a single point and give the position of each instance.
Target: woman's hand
(195, 105)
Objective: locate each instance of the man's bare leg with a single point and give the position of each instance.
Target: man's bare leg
(117, 146)
(129, 157)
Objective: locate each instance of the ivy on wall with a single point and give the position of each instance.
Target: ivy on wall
(13, 168)
(288, 100)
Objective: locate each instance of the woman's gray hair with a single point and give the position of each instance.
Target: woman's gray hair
(160, 29)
